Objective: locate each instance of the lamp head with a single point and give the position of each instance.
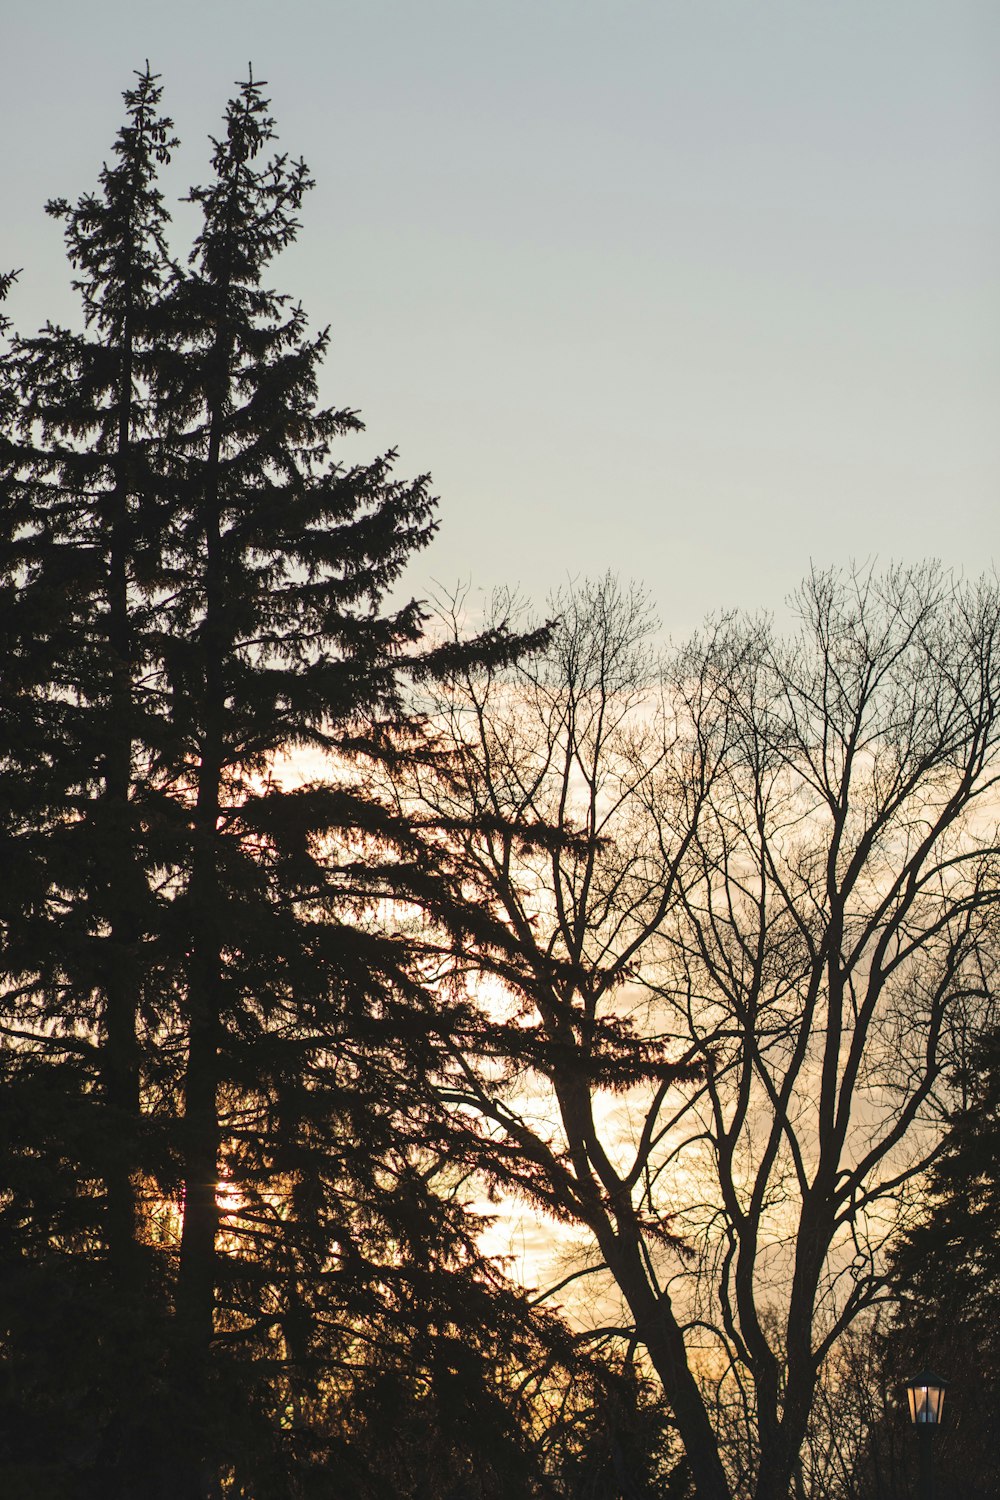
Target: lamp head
(925, 1394)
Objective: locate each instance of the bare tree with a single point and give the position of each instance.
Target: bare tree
(747, 897)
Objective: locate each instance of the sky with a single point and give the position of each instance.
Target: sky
(700, 291)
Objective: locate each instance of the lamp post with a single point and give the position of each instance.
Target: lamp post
(925, 1394)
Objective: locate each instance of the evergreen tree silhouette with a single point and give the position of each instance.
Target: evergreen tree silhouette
(230, 1210)
(79, 563)
(947, 1274)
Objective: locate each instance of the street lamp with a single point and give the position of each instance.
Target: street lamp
(925, 1394)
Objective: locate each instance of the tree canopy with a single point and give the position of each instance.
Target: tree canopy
(742, 906)
(322, 926)
(228, 1206)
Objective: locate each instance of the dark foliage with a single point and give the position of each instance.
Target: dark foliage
(235, 1254)
(947, 1275)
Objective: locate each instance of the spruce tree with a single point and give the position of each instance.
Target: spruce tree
(228, 1171)
(947, 1276)
(78, 563)
(273, 641)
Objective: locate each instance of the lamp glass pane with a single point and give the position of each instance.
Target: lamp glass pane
(926, 1403)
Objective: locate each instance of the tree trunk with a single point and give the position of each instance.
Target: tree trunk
(197, 1271)
(196, 1281)
(660, 1332)
(121, 1053)
(120, 1060)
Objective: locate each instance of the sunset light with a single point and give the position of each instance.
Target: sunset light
(500, 750)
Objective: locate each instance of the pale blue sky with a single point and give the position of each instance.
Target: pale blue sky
(698, 290)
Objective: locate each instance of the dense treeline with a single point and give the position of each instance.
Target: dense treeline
(945, 1280)
(745, 901)
(683, 953)
(232, 1223)
(946, 1271)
